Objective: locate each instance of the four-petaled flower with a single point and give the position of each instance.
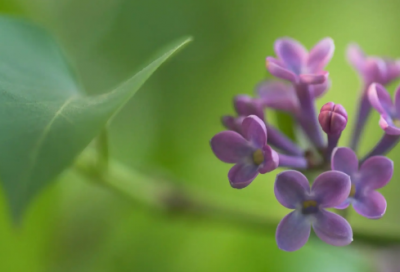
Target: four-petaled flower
(249, 152)
(293, 191)
(389, 111)
(373, 174)
(371, 68)
(296, 64)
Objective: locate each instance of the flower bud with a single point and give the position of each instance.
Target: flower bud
(332, 118)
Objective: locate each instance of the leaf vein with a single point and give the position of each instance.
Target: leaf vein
(39, 143)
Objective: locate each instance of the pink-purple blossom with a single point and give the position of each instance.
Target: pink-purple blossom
(372, 69)
(309, 205)
(245, 106)
(250, 152)
(342, 178)
(296, 64)
(373, 174)
(389, 111)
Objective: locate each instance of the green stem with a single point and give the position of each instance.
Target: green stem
(102, 149)
(162, 195)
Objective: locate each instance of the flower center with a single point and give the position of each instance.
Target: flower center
(396, 122)
(309, 206)
(352, 190)
(258, 157)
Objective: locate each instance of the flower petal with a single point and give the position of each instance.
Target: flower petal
(275, 61)
(397, 102)
(331, 188)
(230, 146)
(344, 204)
(344, 160)
(320, 55)
(317, 90)
(230, 123)
(242, 174)
(280, 71)
(371, 205)
(246, 105)
(333, 229)
(293, 232)
(254, 131)
(386, 123)
(393, 67)
(291, 53)
(356, 57)
(376, 172)
(271, 160)
(291, 188)
(380, 99)
(375, 70)
(314, 78)
(278, 95)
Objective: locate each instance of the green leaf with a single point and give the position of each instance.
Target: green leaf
(46, 120)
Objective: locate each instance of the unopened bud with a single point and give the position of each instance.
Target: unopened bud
(332, 118)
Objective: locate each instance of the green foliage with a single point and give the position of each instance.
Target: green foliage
(46, 120)
(286, 124)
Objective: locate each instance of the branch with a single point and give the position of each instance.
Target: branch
(167, 196)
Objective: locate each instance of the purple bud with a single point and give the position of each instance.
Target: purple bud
(332, 118)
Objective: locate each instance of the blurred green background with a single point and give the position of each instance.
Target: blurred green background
(76, 226)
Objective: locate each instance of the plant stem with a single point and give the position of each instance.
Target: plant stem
(163, 195)
(102, 149)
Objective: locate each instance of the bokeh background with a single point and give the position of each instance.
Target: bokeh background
(77, 226)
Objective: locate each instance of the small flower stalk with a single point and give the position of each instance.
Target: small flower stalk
(256, 147)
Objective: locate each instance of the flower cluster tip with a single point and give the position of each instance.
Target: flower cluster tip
(254, 146)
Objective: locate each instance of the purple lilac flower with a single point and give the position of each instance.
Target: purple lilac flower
(333, 120)
(282, 96)
(297, 65)
(278, 95)
(371, 69)
(373, 174)
(389, 111)
(350, 181)
(245, 106)
(305, 70)
(250, 152)
(390, 117)
(293, 191)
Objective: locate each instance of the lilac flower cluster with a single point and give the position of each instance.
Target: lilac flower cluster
(255, 146)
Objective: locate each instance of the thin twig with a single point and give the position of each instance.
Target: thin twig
(167, 196)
